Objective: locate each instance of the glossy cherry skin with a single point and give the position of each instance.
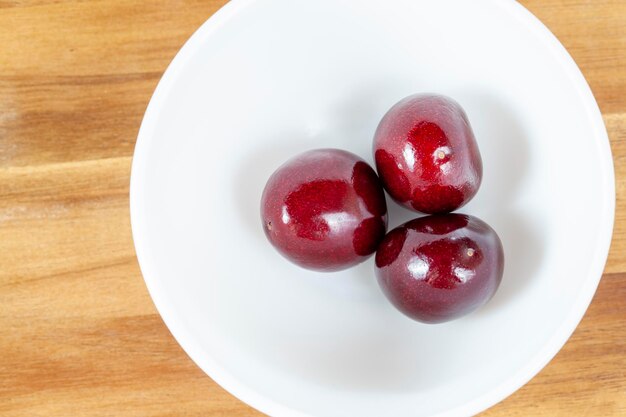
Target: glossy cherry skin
(440, 267)
(426, 154)
(324, 210)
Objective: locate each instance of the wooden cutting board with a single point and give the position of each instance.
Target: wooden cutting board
(79, 333)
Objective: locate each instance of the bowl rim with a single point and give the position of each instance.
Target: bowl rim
(266, 405)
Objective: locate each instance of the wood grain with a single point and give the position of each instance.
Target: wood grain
(80, 335)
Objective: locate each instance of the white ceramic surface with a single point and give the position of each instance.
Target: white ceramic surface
(265, 79)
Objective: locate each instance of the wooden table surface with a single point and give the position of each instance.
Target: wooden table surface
(80, 335)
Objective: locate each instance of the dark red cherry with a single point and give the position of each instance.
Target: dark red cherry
(440, 267)
(426, 154)
(324, 210)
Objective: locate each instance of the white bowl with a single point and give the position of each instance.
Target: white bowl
(263, 80)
